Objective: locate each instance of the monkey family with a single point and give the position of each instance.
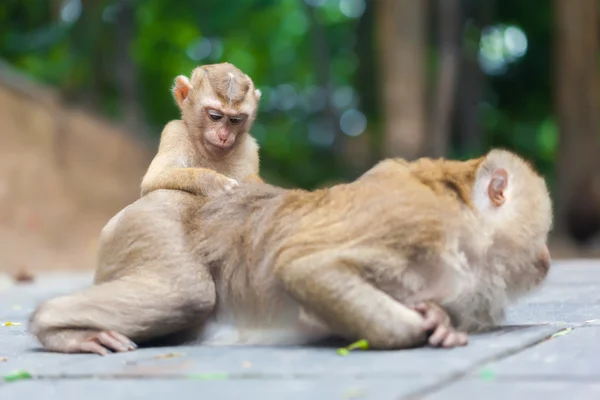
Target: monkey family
(410, 253)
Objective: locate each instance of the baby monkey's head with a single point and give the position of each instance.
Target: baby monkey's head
(514, 202)
(218, 105)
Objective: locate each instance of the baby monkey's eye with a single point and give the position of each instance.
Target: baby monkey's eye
(235, 120)
(215, 115)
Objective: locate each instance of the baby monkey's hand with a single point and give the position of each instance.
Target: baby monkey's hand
(230, 184)
(214, 184)
(437, 322)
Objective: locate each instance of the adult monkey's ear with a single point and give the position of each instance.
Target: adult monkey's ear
(497, 186)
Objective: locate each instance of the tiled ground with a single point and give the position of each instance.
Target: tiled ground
(517, 362)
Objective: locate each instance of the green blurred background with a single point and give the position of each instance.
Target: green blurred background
(344, 82)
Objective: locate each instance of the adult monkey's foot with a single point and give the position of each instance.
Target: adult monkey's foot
(88, 341)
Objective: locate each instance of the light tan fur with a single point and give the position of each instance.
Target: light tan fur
(198, 154)
(372, 259)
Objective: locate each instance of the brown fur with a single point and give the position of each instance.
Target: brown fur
(289, 266)
(191, 157)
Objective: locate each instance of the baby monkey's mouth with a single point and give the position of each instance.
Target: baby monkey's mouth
(220, 147)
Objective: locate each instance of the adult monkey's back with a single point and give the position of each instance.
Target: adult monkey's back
(454, 241)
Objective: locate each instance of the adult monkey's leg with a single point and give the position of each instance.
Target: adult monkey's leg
(138, 307)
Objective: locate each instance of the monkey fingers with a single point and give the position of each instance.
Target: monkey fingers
(437, 321)
(448, 337)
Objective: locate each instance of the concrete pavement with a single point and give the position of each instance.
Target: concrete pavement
(550, 346)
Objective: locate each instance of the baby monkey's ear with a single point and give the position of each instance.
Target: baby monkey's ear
(497, 186)
(181, 89)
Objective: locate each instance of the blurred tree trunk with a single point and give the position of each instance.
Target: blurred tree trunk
(126, 72)
(82, 84)
(360, 152)
(322, 63)
(401, 38)
(476, 16)
(449, 17)
(576, 85)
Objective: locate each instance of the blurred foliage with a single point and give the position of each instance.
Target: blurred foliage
(299, 53)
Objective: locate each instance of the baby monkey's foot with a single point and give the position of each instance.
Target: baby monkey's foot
(437, 321)
(103, 342)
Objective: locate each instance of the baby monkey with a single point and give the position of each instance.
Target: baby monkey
(209, 149)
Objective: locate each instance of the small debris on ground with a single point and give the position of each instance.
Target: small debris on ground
(487, 374)
(246, 364)
(8, 323)
(23, 275)
(17, 376)
(361, 344)
(562, 332)
(3, 359)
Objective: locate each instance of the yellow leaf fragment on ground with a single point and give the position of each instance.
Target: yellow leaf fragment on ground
(8, 323)
(562, 332)
(246, 364)
(343, 351)
(361, 344)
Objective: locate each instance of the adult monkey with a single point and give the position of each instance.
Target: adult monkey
(408, 251)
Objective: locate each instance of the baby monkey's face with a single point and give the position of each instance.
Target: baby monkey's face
(222, 128)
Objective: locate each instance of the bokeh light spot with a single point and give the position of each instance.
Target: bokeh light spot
(321, 133)
(352, 8)
(342, 97)
(286, 97)
(200, 49)
(296, 23)
(353, 122)
(70, 11)
(499, 46)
